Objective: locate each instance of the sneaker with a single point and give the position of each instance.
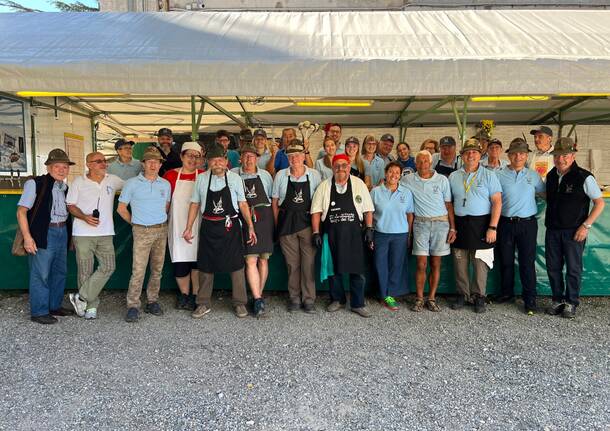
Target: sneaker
(78, 304)
(200, 311)
(240, 311)
(293, 306)
(556, 308)
(259, 308)
(418, 305)
(334, 306)
(309, 308)
(153, 308)
(362, 312)
(91, 314)
(133, 315)
(479, 305)
(459, 303)
(530, 309)
(390, 303)
(569, 311)
(182, 302)
(45, 320)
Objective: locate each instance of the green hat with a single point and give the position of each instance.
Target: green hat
(58, 156)
(518, 145)
(152, 153)
(248, 148)
(564, 146)
(482, 134)
(295, 146)
(215, 150)
(471, 144)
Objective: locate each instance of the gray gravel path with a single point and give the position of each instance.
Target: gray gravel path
(452, 370)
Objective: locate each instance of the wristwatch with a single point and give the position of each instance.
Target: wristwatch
(492, 228)
(587, 226)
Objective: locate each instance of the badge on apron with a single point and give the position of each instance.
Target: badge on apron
(359, 199)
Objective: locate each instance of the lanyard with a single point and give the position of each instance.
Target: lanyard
(468, 187)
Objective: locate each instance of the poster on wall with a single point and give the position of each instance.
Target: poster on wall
(75, 148)
(14, 154)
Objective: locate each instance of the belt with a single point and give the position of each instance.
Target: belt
(58, 224)
(151, 226)
(437, 218)
(517, 219)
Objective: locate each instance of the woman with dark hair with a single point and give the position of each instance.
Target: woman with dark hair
(324, 165)
(393, 219)
(403, 151)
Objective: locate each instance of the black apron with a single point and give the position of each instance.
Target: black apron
(445, 170)
(262, 217)
(344, 232)
(294, 212)
(221, 247)
(471, 232)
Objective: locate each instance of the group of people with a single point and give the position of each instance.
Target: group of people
(360, 207)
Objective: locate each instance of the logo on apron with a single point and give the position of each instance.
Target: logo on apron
(298, 197)
(218, 209)
(251, 192)
(359, 199)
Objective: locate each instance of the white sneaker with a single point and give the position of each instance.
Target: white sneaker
(91, 314)
(78, 304)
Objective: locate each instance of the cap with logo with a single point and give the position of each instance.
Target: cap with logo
(295, 146)
(446, 141)
(471, 144)
(352, 140)
(152, 153)
(518, 145)
(387, 137)
(542, 129)
(564, 146)
(58, 155)
(260, 132)
(215, 150)
(164, 131)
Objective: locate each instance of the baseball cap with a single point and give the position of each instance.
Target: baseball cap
(542, 129)
(446, 140)
(259, 132)
(387, 137)
(164, 131)
(120, 142)
(352, 140)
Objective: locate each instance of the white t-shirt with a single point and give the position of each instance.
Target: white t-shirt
(84, 193)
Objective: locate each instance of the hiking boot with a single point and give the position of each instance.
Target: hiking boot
(61, 312)
(362, 312)
(200, 311)
(390, 303)
(259, 308)
(240, 311)
(182, 302)
(569, 311)
(45, 320)
(334, 306)
(91, 314)
(133, 315)
(479, 305)
(418, 305)
(153, 308)
(459, 303)
(309, 308)
(293, 306)
(556, 308)
(78, 304)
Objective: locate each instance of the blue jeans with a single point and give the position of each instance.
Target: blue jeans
(391, 263)
(356, 289)
(560, 249)
(48, 268)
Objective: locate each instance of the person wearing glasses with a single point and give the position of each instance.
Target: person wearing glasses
(91, 200)
(184, 255)
(223, 138)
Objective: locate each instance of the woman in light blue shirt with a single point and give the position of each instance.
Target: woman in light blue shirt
(324, 165)
(393, 218)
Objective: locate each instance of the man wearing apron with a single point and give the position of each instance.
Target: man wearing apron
(293, 188)
(184, 255)
(477, 202)
(221, 249)
(446, 161)
(258, 185)
(342, 203)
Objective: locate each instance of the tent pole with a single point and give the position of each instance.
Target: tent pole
(93, 135)
(194, 130)
(464, 119)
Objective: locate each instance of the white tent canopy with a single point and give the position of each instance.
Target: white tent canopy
(314, 54)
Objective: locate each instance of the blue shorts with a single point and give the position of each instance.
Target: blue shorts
(430, 238)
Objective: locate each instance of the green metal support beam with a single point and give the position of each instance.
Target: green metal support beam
(550, 113)
(225, 112)
(246, 113)
(430, 110)
(194, 129)
(93, 135)
(586, 120)
(398, 120)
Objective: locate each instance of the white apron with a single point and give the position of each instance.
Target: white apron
(179, 249)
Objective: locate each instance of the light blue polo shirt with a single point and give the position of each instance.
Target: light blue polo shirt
(391, 209)
(125, 171)
(147, 199)
(322, 152)
(325, 171)
(264, 176)
(429, 195)
(590, 187)
(503, 164)
(263, 159)
(280, 183)
(485, 184)
(375, 169)
(234, 181)
(519, 191)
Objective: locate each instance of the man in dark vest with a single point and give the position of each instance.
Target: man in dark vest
(44, 221)
(569, 192)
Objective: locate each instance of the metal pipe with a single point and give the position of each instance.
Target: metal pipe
(225, 112)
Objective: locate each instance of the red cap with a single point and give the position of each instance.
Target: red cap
(341, 157)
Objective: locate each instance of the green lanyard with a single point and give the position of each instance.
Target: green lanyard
(468, 187)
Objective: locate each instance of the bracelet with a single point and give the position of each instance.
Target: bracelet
(452, 230)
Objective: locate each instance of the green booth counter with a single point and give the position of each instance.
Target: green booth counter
(595, 279)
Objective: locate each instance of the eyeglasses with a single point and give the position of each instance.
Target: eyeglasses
(98, 161)
(192, 157)
(341, 165)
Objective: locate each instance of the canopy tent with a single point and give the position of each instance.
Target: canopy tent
(309, 54)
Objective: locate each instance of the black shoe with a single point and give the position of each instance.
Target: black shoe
(133, 315)
(501, 299)
(556, 308)
(259, 308)
(293, 306)
(45, 320)
(62, 312)
(192, 302)
(569, 311)
(459, 303)
(182, 303)
(479, 304)
(309, 308)
(153, 308)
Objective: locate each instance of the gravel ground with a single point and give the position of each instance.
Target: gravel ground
(451, 370)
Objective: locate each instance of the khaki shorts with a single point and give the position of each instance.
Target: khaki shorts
(264, 256)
